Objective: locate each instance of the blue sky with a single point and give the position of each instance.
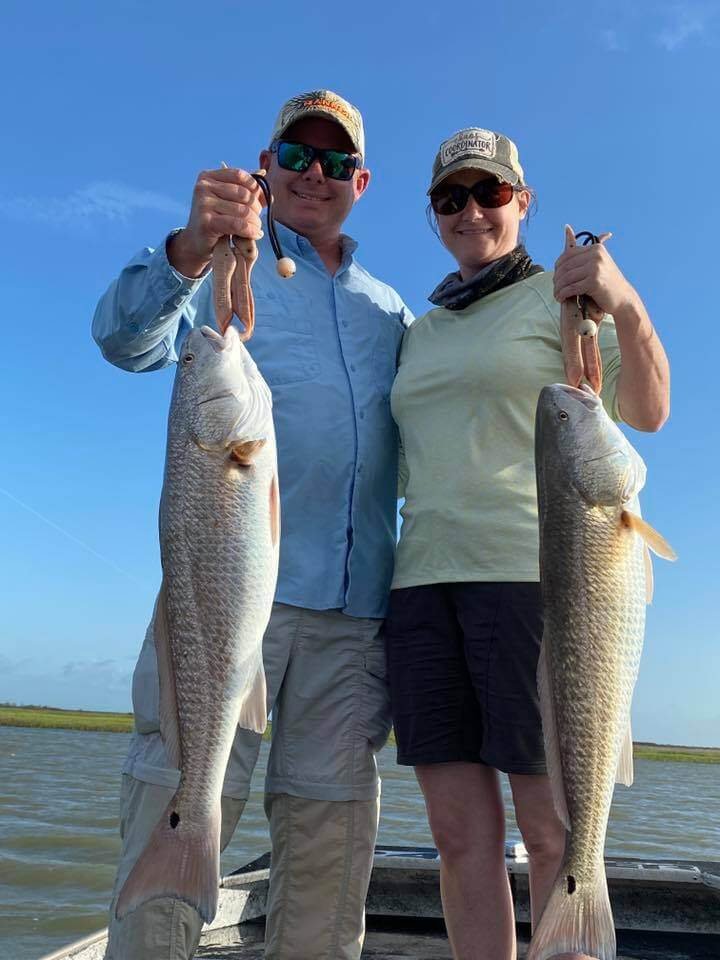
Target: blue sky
(108, 115)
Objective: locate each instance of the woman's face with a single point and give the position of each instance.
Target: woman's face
(476, 235)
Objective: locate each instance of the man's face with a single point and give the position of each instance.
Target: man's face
(310, 202)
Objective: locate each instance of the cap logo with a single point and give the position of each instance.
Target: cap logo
(324, 104)
(312, 102)
(479, 143)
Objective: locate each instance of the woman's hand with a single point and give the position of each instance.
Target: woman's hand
(592, 271)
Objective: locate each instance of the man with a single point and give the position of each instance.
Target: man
(326, 342)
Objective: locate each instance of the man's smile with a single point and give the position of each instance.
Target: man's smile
(309, 196)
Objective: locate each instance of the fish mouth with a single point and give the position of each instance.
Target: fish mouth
(216, 340)
(584, 394)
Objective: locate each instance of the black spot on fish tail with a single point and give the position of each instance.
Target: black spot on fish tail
(174, 819)
(571, 884)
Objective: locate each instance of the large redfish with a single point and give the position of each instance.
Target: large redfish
(595, 577)
(219, 531)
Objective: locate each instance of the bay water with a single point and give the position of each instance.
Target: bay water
(59, 838)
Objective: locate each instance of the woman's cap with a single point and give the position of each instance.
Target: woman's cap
(326, 104)
(477, 149)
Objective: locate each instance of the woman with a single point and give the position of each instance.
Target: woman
(465, 620)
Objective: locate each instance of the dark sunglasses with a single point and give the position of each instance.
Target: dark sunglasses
(453, 197)
(335, 164)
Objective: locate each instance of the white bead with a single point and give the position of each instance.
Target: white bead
(587, 327)
(286, 267)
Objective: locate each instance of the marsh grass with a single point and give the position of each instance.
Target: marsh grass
(54, 718)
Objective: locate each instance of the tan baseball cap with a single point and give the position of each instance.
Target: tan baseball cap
(477, 149)
(322, 103)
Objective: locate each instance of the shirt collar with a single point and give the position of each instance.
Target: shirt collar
(295, 244)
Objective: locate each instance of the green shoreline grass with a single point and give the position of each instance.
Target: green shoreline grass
(57, 719)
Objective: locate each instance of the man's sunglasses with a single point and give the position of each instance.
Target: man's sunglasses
(453, 197)
(335, 164)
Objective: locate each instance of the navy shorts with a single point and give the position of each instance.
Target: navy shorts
(462, 664)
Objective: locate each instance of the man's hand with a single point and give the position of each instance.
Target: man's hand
(225, 202)
(592, 271)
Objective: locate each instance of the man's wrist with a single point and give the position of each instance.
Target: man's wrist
(185, 262)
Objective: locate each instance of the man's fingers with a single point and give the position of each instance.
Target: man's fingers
(227, 208)
(236, 226)
(234, 193)
(231, 180)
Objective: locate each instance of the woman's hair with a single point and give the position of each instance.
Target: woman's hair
(531, 211)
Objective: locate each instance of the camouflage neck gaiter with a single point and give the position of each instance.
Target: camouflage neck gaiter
(454, 293)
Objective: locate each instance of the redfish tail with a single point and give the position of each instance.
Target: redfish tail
(577, 919)
(180, 861)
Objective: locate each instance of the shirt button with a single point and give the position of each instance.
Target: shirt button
(352, 367)
(360, 469)
(362, 414)
(344, 323)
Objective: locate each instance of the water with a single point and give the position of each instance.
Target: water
(58, 827)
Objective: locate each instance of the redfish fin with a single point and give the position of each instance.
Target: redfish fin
(169, 730)
(550, 737)
(657, 543)
(253, 713)
(180, 862)
(649, 576)
(245, 451)
(626, 771)
(576, 919)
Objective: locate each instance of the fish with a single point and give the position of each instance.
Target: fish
(596, 580)
(219, 531)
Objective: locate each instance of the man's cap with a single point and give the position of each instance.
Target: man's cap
(326, 104)
(477, 149)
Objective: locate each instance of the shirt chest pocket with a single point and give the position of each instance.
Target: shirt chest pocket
(283, 344)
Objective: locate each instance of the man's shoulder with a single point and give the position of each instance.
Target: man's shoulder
(382, 293)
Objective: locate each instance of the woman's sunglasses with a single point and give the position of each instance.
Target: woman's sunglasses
(453, 197)
(335, 164)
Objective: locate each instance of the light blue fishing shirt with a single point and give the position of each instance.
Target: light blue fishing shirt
(328, 348)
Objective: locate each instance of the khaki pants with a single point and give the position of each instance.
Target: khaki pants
(326, 686)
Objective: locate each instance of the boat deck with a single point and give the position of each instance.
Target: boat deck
(663, 910)
(391, 939)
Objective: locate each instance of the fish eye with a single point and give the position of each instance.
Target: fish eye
(188, 358)
(562, 415)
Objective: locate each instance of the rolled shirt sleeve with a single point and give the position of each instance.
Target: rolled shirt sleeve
(145, 313)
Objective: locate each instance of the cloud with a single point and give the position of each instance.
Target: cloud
(8, 665)
(90, 684)
(101, 200)
(611, 40)
(107, 674)
(684, 21)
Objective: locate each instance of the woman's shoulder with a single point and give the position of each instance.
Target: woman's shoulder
(424, 320)
(538, 288)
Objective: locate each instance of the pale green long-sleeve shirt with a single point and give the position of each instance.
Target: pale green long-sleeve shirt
(464, 400)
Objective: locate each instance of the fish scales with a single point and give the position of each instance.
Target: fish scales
(594, 576)
(213, 524)
(219, 533)
(595, 618)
